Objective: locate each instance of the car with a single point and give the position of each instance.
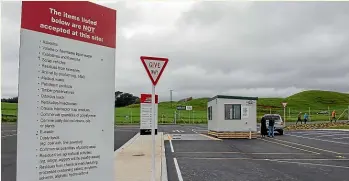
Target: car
(279, 123)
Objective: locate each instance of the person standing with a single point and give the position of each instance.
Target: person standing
(333, 116)
(271, 127)
(305, 118)
(264, 130)
(299, 118)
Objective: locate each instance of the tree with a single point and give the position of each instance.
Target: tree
(124, 99)
(10, 100)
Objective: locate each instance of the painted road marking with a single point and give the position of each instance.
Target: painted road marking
(211, 137)
(245, 153)
(200, 130)
(341, 138)
(8, 130)
(315, 164)
(179, 174)
(169, 137)
(334, 130)
(289, 146)
(264, 159)
(319, 139)
(179, 131)
(329, 135)
(311, 134)
(307, 146)
(8, 135)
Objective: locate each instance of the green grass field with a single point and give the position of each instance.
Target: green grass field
(301, 102)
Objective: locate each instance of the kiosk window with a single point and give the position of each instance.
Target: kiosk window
(232, 111)
(209, 111)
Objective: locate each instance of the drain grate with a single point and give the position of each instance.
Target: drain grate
(141, 154)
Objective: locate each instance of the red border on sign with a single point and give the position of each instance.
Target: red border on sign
(37, 13)
(143, 58)
(144, 98)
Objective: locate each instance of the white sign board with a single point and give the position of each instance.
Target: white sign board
(188, 108)
(245, 111)
(146, 112)
(66, 92)
(284, 104)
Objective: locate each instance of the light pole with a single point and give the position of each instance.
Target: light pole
(171, 97)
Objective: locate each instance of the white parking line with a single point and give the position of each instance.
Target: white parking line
(311, 134)
(318, 139)
(329, 135)
(263, 159)
(179, 174)
(307, 146)
(245, 153)
(340, 138)
(8, 135)
(172, 150)
(179, 131)
(315, 164)
(290, 146)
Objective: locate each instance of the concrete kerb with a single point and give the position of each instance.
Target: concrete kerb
(163, 155)
(126, 144)
(163, 160)
(333, 129)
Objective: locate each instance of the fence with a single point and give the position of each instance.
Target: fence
(173, 117)
(200, 117)
(315, 114)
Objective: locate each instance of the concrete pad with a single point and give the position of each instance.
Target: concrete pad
(133, 161)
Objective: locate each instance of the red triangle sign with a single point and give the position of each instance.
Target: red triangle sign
(154, 67)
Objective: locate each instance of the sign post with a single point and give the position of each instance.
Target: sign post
(189, 108)
(66, 90)
(284, 104)
(154, 67)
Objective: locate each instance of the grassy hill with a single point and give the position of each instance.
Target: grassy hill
(301, 102)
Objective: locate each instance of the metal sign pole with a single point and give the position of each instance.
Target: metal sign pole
(153, 132)
(285, 115)
(154, 67)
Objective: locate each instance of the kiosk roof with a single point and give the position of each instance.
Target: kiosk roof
(232, 97)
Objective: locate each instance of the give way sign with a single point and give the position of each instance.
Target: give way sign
(154, 67)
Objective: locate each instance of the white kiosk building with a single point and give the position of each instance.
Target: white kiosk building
(232, 116)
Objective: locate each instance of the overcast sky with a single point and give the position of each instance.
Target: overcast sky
(264, 49)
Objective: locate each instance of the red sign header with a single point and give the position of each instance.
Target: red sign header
(146, 98)
(78, 20)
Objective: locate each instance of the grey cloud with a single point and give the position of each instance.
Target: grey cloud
(242, 48)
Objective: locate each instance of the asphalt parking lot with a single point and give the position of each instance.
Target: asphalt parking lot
(297, 155)
(9, 147)
(191, 155)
